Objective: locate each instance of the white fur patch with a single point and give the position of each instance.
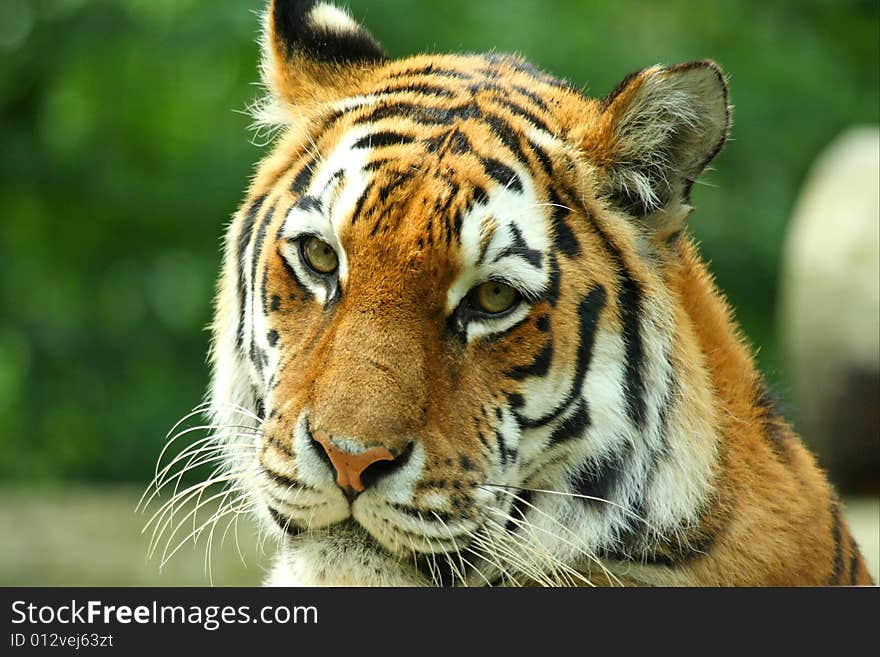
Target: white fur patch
(338, 194)
(332, 18)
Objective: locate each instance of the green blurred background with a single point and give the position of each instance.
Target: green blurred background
(125, 150)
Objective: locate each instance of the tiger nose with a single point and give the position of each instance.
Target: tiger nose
(351, 467)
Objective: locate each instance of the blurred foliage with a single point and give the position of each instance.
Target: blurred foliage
(125, 151)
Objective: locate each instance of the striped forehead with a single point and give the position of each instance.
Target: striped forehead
(505, 236)
(504, 233)
(328, 203)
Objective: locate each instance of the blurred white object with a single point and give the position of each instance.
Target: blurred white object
(830, 309)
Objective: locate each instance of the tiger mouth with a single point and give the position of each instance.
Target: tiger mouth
(350, 536)
(440, 568)
(288, 525)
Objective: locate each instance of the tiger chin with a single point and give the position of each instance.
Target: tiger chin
(464, 337)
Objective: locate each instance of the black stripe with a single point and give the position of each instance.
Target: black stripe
(519, 248)
(258, 357)
(508, 136)
(671, 554)
(535, 98)
(775, 433)
(281, 447)
(543, 159)
(518, 509)
(457, 220)
(502, 446)
(479, 196)
(432, 69)
(573, 426)
(420, 88)
(280, 479)
(244, 238)
(306, 203)
(502, 174)
(484, 441)
(853, 562)
(453, 141)
(304, 177)
(422, 114)
(283, 522)
(259, 238)
(524, 113)
(598, 477)
(589, 310)
(396, 179)
(563, 238)
(383, 138)
(359, 206)
(629, 303)
(378, 163)
(837, 568)
(538, 367)
(553, 282)
(423, 514)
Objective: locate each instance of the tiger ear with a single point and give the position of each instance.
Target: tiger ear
(314, 52)
(655, 134)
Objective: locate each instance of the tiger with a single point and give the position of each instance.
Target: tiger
(465, 338)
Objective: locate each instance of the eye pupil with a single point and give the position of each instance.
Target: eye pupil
(495, 298)
(319, 256)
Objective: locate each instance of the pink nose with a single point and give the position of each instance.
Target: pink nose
(349, 467)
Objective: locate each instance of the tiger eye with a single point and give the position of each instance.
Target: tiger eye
(496, 297)
(320, 256)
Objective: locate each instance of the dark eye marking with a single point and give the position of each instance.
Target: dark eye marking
(520, 249)
(538, 367)
(307, 203)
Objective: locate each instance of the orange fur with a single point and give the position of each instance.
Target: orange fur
(381, 364)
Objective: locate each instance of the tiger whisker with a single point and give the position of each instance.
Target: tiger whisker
(242, 504)
(204, 459)
(556, 565)
(626, 511)
(453, 568)
(461, 558)
(166, 556)
(202, 408)
(579, 547)
(168, 516)
(218, 438)
(159, 521)
(528, 541)
(159, 475)
(157, 485)
(500, 544)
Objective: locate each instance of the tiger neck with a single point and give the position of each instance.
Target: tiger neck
(717, 386)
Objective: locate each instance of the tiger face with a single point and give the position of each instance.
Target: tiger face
(444, 303)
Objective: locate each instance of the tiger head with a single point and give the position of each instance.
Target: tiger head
(444, 307)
